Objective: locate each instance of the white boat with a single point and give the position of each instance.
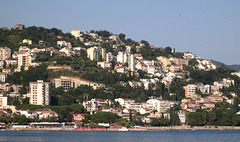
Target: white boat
(123, 129)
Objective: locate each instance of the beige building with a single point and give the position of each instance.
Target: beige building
(73, 82)
(3, 101)
(76, 33)
(24, 60)
(95, 53)
(39, 93)
(165, 61)
(3, 77)
(5, 53)
(28, 41)
(66, 50)
(180, 61)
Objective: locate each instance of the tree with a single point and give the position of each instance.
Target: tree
(122, 36)
(104, 117)
(21, 119)
(168, 50)
(145, 42)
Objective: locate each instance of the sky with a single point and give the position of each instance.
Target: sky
(208, 28)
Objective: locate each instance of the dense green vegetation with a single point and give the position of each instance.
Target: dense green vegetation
(223, 114)
(151, 53)
(13, 38)
(117, 85)
(208, 77)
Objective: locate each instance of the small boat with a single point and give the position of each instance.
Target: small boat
(123, 129)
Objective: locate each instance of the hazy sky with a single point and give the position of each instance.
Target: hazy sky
(208, 28)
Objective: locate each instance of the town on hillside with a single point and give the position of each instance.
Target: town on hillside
(98, 79)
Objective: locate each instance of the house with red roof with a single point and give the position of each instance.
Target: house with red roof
(78, 116)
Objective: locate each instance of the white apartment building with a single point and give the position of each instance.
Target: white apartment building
(131, 63)
(160, 105)
(190, 90)
(122, 57)
(123, 101)
(40, 93)
(91, 105)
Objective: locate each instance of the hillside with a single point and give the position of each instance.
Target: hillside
(234, 67)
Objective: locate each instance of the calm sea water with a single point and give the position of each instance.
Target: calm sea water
(105, 136)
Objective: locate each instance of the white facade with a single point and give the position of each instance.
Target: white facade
(62, 43)
(182, 116)
(190, 90)
(122, 57)
(91, 105)
(160, 105)
(3, 77)
(131, 63)
(3, 101)
(124, 101)
(40, 93)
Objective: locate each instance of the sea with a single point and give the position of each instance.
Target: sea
(116, 136)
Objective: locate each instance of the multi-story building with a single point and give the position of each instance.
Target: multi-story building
(165, 61)
(3, 101)
(3, 77)
(11, 61)
(103, 53)
(24, 60)
(123, 101)
(122, 57)
(5, 53)
(91, 105)
(73, 82)
(2, 63)
(40, 93)
(190, 90)
(109, 57)
(161, 106)
(131, 63)
(180, 61)
(95, 53)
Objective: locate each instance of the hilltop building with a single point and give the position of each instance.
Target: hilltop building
(76, 33)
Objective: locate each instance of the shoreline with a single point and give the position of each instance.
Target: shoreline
(173, 128)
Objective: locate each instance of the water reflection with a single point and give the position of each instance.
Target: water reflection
(103, 136)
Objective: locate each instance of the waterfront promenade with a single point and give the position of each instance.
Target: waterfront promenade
(135, 129)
